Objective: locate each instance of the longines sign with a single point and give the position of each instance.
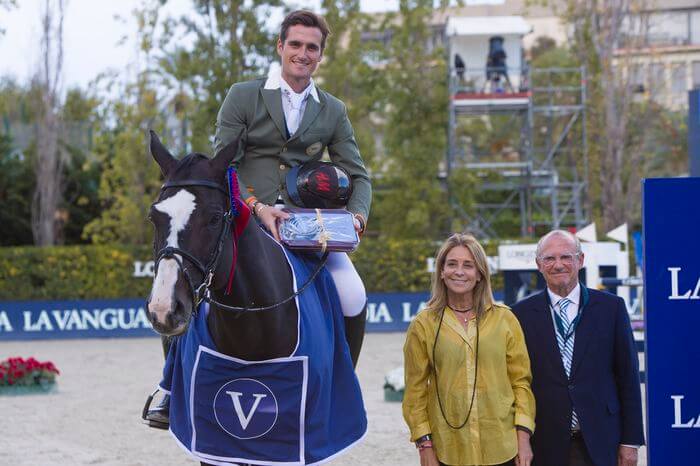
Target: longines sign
(32, 320)
(671, 218)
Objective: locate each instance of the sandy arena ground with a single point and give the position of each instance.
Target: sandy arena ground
(94, 416)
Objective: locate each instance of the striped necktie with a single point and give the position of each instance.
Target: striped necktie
(566, 345)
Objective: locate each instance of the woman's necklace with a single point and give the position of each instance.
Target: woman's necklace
(462, 311)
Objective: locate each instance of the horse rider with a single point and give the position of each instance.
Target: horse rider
(285, 121)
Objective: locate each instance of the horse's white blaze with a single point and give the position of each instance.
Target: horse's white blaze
(179, 208)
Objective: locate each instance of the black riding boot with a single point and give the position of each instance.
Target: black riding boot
(355, 333)
(159, 417)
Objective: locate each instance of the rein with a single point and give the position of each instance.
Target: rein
(203, 291)
(226, 307)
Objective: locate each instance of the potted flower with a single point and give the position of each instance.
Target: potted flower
(19, 375)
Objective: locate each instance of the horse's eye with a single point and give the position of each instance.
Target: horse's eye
(215, 219)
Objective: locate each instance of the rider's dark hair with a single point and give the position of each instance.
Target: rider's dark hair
(308, 19)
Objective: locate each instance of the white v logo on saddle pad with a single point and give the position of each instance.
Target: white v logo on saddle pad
(242, 418)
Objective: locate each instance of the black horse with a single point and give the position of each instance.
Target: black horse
(190, 215)
(197, 247)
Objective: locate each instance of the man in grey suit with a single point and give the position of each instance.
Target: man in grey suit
(284, 121)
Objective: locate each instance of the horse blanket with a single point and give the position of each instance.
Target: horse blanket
(299, 410)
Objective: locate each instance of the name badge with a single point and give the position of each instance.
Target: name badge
(314, 148)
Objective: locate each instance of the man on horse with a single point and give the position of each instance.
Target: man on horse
(286, 120)
(283, 122)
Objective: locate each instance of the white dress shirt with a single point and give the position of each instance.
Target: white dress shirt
(293, 103)
(574, 296)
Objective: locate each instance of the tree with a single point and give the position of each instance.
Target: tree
(81, 202)
(541, 45)
(601, 29)
(49, 157)
(415, 203)
(659, 139)
(16, 183)
(6, 5)
(16, 162)
(130, 180)
(230, 43)
(346, 73)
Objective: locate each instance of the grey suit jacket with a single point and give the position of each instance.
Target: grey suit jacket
(254, 114)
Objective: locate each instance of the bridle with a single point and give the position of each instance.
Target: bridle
(202, 292)
(208, 270)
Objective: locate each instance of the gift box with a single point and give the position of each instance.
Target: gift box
(319, 230)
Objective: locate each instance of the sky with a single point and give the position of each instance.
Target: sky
(91, 36)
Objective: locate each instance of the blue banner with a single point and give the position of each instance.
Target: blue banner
(114, 318)
(671, 219)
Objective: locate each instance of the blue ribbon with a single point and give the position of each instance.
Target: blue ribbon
(233, 190)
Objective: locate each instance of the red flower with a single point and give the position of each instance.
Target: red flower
(17, 370)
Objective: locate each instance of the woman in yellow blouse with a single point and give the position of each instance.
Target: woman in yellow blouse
(467, 399)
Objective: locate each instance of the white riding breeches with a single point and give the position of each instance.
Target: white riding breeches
(351, 290)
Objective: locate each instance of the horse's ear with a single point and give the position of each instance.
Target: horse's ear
(225, 156)
(161, 155)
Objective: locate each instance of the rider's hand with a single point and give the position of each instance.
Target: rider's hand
(268, 215)
(359, 223)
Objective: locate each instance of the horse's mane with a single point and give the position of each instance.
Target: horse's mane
(191, 165)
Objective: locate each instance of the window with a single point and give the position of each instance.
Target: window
(636, 78)
(678, 79)
(668, 28)
(695, 27)
(374, 45)
(657, 80)
(696, 75)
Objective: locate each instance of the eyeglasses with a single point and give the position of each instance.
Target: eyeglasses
(566, 259)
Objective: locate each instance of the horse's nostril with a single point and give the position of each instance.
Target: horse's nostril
(179, 311)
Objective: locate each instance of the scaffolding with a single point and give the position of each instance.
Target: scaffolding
(524, 143)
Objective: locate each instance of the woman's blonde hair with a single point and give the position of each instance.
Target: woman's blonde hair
(482, 294)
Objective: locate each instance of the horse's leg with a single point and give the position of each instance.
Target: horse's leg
(355, 333)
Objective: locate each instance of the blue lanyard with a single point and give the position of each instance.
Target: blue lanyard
(572, 326)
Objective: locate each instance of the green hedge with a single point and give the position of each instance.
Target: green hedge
(394, 265)
(71, 272)
(94, 272)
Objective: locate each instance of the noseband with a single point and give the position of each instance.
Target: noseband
(203, 292)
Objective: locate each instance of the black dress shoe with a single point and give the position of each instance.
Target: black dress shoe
(158, 417)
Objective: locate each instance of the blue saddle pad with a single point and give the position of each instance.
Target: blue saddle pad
(299, 410)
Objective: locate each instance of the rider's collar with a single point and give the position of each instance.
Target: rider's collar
(274, 81)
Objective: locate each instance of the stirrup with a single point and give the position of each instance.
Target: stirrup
(147, 415)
